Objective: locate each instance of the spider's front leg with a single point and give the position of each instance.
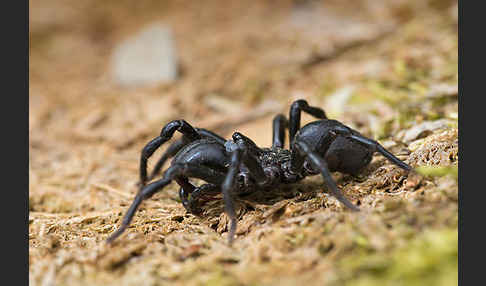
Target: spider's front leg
(226, 188)
(177, 171)
(243, 151)
(189, 135)
(178, 145)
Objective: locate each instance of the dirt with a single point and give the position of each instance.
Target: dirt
(383, 71)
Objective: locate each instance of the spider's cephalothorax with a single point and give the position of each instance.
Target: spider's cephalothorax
(239, 166)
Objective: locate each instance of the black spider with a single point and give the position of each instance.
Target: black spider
(238, 166)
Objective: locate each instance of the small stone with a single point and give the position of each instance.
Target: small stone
(422, 130)
(191, 251)
(443, 89)
(148, 58)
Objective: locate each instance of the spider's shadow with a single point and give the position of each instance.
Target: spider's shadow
(262, 200)
(259, 201)
(307, 189)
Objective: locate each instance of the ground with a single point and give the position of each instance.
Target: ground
(389, 71)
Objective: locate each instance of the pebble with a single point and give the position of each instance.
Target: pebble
(418, 131)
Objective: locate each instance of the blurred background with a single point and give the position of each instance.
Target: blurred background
(106, 76)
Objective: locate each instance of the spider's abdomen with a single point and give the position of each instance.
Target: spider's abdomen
(317, 135)
(347, 156)
(341, 154)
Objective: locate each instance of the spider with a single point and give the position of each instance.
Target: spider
(238, 166)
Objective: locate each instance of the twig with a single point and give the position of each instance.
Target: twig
(112, 190)
(221, 125)
(319, 58)
(70, 215)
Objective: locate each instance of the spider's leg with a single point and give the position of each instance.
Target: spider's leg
(169, 153)
(294, 115)
(165, 135)
(250, 156)
(188, 170)
(209, 134)
(378, 148)
(144, 193)
(373, 145)
(242, 150)
(192, 196)
(279, 124)
(320, 164)
(226, 188)
(177, 145)
(185, 191)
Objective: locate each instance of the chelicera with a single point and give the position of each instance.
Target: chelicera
(238, 166)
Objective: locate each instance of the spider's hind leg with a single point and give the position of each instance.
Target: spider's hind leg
(303, 152)
(294, 115)
(380, 149)
(279, 124)
(374, 146)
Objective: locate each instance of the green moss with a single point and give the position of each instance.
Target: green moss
(408, 76)
(390, 95)
(427, 259)
(438, 171)
(221, 278)
(327, 87)
(362, 241)
(296, 239)
(254, 89)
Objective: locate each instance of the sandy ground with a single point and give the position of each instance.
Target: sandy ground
(387, 69)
